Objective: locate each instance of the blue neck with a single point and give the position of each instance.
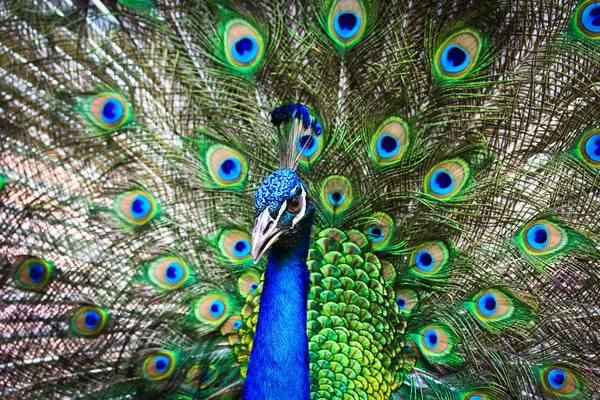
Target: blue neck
(278, 367)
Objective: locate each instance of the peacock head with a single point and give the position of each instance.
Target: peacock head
(283, 212)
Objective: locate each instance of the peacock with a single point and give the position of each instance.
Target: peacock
(300, 199)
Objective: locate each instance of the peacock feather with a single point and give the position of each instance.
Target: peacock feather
(340, 199)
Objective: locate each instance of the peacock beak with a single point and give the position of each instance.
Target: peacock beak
(265, 233)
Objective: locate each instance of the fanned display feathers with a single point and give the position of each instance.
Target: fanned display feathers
(451, 148)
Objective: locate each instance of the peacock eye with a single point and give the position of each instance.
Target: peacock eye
(243, 45)
(294, 205)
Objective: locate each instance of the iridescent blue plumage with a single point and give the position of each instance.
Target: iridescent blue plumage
(275, 189)
(283, 224)
(296, 111)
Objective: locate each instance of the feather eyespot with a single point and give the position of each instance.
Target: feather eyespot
(243, 45)
(458, 54)
(588, 18)
(235, 245)
(542, 237)
(388, 272)
(406, 300)
(435, 341)
(589, 146)
(307, 144)
(137, 208)
(248, 282)
(202, 378)
(294, 205)
(492, 305)
(108, 111)
(429, 259)
(411, 353)
(226, 166)
(309, 147)
(89, 320)
(169, 273)
(212, 309)
(389, 142)
(446, 179)
(560, 381)
(232, 324)
(380, 231)
(33, 273)
(347, 22)
(159, 365)
(336, 193)
(475, 396)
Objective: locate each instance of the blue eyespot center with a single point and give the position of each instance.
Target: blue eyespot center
(346, 24)
(217, 308)
(243, 45)
(401, 302)
(441, 182)
(36, 272)
(591, 17)
(490, 303)
(253, 286)
(140, 207)
(454, 59)
(173, 273)
(347, 20)
(92, 319)
(161, 363)
(207, 376)
(475, 398)
(228, 166)
(245, 49)
(237, 324)
(592, 145)
(431, 338)
(487, 304)
(389, 143)
(336, 198)
(307, 145)
(241, 248)
(387, 146)
(112, 111)
(537, 236)
(557, 378)
(375, 234)
(424, 260)
(456, 56)
(541, 236)
(230, 169)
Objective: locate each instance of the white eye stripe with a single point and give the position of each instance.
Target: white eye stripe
(280, 213)
(302, 208)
